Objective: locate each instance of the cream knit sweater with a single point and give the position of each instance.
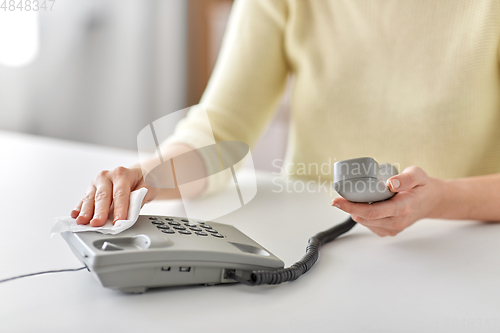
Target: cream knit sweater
(413, 82)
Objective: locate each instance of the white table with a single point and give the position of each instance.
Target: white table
(437, 276)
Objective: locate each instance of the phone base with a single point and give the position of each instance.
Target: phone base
(164, 251)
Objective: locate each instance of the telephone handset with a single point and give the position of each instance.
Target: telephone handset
(363, 179)
(160, 251)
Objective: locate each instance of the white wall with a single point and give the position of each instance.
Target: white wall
(105, 69)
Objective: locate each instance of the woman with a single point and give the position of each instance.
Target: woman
(414, 83)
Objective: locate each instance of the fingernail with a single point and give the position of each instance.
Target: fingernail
(336, 205)
(394, 183)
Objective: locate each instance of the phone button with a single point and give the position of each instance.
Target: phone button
(174, 223)
(163, 227)
(217, 235)
(206, 226)
(195, 229)
(158, 222)
(179, 227)
(168, 231)
(213, 231)
(185, 232)
(201, 233)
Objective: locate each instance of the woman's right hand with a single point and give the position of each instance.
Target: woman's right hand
(110, 187)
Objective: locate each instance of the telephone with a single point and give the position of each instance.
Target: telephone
(161, 251)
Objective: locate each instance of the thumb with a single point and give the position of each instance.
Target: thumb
(411, 177)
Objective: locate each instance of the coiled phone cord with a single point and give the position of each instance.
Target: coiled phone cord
(303, 265)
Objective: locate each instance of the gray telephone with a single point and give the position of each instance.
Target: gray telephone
(161, 251)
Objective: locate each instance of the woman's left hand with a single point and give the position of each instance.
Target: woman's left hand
(418, 196)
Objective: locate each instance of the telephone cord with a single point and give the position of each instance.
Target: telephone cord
(303, 265)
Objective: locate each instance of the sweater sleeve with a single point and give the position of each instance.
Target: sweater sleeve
(246, 85)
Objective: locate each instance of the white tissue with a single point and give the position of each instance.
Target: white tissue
(69, 223)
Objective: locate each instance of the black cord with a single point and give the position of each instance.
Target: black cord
(46, 272)
(303, 265)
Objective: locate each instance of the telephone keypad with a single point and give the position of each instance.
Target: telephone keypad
(174, 226)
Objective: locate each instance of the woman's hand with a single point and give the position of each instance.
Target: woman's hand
(114, 187)
(418, 197)
(110, 187)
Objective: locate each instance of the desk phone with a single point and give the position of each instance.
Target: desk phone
(161, 251)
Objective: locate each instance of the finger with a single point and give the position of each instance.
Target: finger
(369, 223)
(150, 195)
(123, 180)
(378, 210)
(383, 232)
(75, 212)
(121, 200)
(102, 202)
(389, 226)
(411, 177)
(87, 210)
